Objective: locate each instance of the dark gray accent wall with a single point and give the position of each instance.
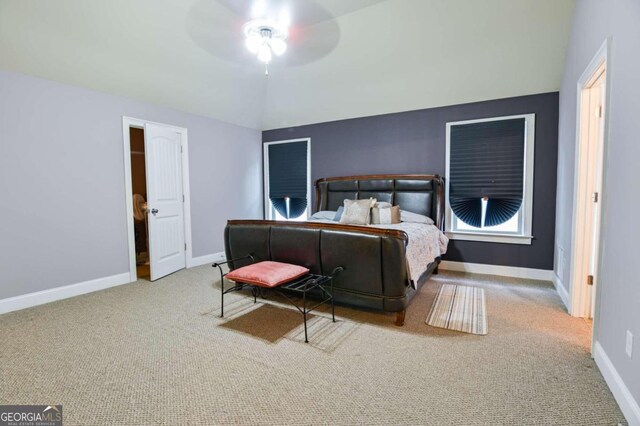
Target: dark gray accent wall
(414, 142)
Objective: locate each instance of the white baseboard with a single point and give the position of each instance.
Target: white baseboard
(51, 295)
(24, 301)
(505, 271)
(209, 258)
(621, 393)
(562, 291)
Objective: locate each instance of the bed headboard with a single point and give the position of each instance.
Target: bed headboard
(422, 194)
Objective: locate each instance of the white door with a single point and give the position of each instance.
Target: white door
(163, 153)
(597, 137)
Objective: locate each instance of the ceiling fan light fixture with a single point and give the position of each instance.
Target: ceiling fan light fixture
(253, 44)
(278, 46)
(265, 38)
(264, 54)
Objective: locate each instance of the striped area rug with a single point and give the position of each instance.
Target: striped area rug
(460, 308)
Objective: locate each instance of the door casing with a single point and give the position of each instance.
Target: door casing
(128, 122)
(579, 292)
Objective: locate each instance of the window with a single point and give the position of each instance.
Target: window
(287, 179)
(489, 179)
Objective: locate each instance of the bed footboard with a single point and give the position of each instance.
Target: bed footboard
(374, 276)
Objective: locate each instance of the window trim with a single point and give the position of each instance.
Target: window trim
(525, 236)
(265, 168)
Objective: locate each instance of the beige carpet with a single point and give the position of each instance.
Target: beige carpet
(459, 308)
(156, 353)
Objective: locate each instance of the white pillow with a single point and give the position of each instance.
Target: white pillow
(383, 205)
(357, 212)
(324, 215)
(406, 216)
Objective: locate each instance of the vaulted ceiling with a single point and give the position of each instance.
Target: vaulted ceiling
(346, 58)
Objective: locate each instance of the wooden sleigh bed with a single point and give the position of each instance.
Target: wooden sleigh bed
(375, 274)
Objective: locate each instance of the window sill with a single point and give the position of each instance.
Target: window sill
(490, 238)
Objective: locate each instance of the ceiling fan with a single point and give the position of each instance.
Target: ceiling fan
(265, 38)
(302, 32)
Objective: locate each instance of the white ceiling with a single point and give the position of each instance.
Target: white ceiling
(346, 58)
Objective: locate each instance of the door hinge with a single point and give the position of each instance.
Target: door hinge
(180, 149)
(599, 111)
(183, 198)
(185, 246)
(594, 197)
(589, 279)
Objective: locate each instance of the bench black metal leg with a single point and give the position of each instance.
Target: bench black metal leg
(221, 290)
(306, 339)
(304, 315)
(333, 305)
(219, 266)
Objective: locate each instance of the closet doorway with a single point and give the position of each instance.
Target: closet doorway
(591, 142)
(139, 193)
(157, 198)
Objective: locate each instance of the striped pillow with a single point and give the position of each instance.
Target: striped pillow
(385, 216)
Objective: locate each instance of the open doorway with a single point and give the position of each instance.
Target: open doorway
(157, 198)
(139, 197)
(591, 141)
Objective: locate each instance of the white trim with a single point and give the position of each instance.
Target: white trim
(186, 192)
(24, 301)
(265, 169)
(209, 258)
(579, 292)
(562, 291)
(128, 122)
(526, 216)
(624, 398)
(487, 237)
(128, 193)
(505, 271)
(51, 295)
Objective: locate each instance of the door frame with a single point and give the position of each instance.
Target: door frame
(578, 290)
(138, 123)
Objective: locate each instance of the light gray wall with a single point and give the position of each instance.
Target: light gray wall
(62, 196)
(594, 21)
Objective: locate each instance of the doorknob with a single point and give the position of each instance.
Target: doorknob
(154, 211)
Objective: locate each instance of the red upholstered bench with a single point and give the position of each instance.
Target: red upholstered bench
(267, 274)
(272, 275)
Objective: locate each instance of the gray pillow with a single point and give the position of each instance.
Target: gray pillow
(338, 214)
(406, 216)
(357, 212)
(324, 215)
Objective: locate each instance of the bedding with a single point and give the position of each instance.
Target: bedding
(426, 244)
(406, 216)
